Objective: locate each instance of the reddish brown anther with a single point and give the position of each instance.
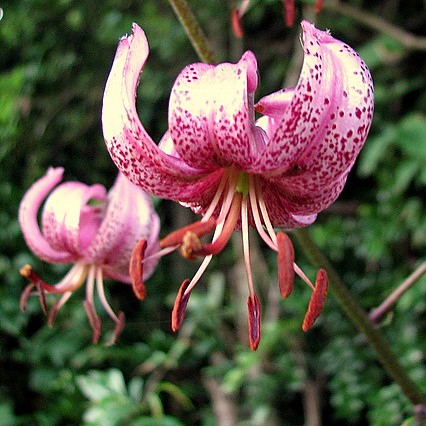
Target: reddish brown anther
(94, 320)
(236, 23)
(285, 264)
(179, 307)
(317, 301)
(198, 228)
(289, 12)
(136, 269)
(318, 6)
(253, 306)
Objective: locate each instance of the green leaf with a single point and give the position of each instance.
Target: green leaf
(411, 136)
(149, 421)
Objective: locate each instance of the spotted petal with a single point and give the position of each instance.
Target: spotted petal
(28, 210)
(129, 217)
(68, 222)
(211, 117)
(327, 121)
(130, 146)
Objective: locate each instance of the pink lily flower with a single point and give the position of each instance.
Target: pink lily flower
(280, 170)
(91, 228)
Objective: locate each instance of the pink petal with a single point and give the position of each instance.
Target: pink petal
(130, 146)
(326, 124)
(28, 210)
(281, 210)
(63, 212)
(211, 117)
(301, 194)
(129, 217)
(275, 104)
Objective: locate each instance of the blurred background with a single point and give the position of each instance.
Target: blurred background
(54, 60)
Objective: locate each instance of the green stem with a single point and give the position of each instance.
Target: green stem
(193, 30)
(358, 316)
(347, 302)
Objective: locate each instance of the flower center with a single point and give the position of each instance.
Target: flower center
(238, 202)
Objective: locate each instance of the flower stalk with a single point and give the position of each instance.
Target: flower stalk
(193, 30)
(377, 314)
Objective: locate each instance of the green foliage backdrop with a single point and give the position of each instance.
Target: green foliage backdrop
(54, 61)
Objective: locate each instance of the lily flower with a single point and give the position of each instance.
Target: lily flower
(278, 171)
(94, 230)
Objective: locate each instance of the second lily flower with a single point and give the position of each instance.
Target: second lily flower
(278, 171)
(90, 228)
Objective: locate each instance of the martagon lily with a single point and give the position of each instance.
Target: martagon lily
(278, 171)
(94, 230)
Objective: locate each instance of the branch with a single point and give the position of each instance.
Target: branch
(407, 39)
(377, 314)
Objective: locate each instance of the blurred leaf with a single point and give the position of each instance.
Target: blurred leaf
(149, 421)
(411, 136)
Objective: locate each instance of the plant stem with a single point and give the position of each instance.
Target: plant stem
(359, 317)
(193, 30)
(378, 313)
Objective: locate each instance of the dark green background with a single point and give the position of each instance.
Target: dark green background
(54, 60)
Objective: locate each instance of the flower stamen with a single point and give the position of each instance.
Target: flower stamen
(89, 306)
(253, 307)
(218, 244)
(136, 269)
(179, 307)
(256, 216)
(285, 264)
(120, 319)
(199, 228)
(56, 306)
(317, 301)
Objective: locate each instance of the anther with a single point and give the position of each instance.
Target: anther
(317, 301)
(236, 23)
(136, 269)
(179, 307)
(253, 307)
(285, 264)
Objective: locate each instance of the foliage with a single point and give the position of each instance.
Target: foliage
(54, 60)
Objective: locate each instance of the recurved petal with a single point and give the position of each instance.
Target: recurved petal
(69, 223)
(129, 217)
(327, 121)
(211, 117)
(130, 146)
(28, 210)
